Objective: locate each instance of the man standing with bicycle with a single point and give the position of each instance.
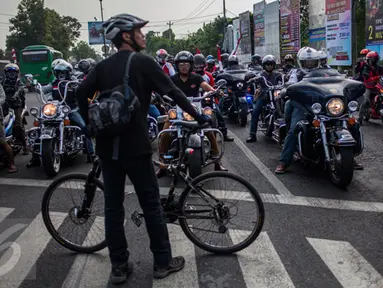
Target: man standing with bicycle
(134, 153)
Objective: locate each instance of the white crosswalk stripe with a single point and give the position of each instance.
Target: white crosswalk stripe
(260, 264)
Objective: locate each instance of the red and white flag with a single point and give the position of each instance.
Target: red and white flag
(14, 58)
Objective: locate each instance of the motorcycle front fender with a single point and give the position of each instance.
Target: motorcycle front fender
(47, 133)
(342, 138)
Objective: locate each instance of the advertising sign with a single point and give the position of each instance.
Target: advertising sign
(272, 37)
(259, 28)
(374, 22)
(290, 26)
(317, 38)
(338, 32)
(245, 44)
(95, 33)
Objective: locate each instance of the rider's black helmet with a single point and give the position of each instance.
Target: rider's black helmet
(269, 60)
(199, 62)
(84, 66)
(116, 25)
(256, 59)
(184, 56)
(233, 60)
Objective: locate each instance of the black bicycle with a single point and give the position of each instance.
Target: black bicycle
(199, 202)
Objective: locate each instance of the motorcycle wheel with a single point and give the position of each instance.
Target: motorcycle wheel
(194, 162)
(341, 166)
(243, 120)
(50, 157)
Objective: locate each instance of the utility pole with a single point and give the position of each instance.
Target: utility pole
(103, 34)
(170, 29)
(225, 20)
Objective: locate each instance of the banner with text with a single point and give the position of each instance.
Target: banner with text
(290, 26)
(236, 35)
(95, 33)
(272, 37)
(338, 32)
(244, 24)
(317, 38)
(374, 22)
(259, 28)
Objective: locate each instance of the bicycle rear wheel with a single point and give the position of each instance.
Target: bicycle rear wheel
(218, 208)
(92, 224)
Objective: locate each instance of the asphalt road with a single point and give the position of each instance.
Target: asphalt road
(315, 235)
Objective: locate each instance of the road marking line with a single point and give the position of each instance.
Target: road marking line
(277, 184)
(31, 243)
(181, 245)
(260, 264)
(267, 198)
(90, 270)
(4, 212)
(347, 265)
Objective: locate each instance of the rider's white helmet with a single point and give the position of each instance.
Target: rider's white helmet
(57, 62)
(308, 58)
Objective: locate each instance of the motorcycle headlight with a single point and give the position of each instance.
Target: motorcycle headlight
(172, 113)
(187, 116)
(207, 111)
(316, 108)
(49, 110)
(239, 85)
(353, 106)
(34, 111)
(335, 107)
(276, 94)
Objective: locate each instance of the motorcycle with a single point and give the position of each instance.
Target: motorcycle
(328, 100)
(375, 110)
(53, 138)
(236, 103)
(190, 137)
(272, 122)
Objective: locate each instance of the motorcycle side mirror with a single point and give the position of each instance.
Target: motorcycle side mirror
(214, 74)
(29, 76)
(34, 82)
(161, 119)
(221, 83)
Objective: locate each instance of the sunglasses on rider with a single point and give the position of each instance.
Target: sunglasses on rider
(184, 64)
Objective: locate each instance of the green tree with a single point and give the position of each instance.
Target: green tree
(35, 25)
(82, 51)
(168, 34)
(26, 27)
(304, 13)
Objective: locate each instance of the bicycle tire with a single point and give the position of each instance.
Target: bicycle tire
(48, 223)
(240, 246)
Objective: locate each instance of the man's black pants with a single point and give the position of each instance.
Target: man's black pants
(141, 173)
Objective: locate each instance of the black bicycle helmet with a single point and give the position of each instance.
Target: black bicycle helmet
(114, 27)
(184, 56)
(269, 60)
(84, 66)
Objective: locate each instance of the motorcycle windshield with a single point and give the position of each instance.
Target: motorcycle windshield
(322, 89)
(196, 104)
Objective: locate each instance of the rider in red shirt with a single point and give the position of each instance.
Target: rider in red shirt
(358, 68)
(371, 72)
(161, 57)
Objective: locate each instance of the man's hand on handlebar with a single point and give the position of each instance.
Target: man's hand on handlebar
(202, 119)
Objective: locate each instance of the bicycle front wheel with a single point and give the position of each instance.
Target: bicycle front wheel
(211, 217)
(78, 231)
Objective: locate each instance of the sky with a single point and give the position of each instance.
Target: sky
(157, 12)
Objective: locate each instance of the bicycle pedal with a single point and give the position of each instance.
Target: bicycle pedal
(136, 218)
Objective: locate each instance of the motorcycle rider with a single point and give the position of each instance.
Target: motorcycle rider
(308, 60)
(190, 84)
(84, 67)
(225, 60)
(256, 61)
(210, 67)
(289, 64)
(15, 99)
(170, 59)
(370, 70)
(323, 60)
(124, 30)
(199, 68)
(358, 68)
(161, 56)
(233, 63)
(3, 141)
(62, 72)
(269, 64)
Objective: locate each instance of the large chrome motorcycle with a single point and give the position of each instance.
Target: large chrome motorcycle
(330, 135)
(53, 138)
(191, 138)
